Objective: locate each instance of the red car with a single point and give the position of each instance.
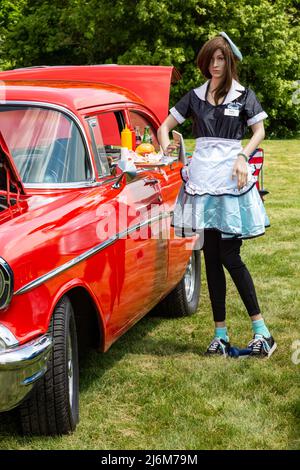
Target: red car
(86, 243)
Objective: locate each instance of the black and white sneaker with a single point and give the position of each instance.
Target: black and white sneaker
(218, 346)
(261, 346)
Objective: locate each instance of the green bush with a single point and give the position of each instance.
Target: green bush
(164, 32)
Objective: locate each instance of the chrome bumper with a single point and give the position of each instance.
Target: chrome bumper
(20, 367)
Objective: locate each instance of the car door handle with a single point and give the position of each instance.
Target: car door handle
(151, 181)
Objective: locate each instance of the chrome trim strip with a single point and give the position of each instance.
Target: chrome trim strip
(74, 118)
(31, 380)
(25, 353)
(20, 368)
(87, 254)
(88, 184)
(7, 336)
(84, 184)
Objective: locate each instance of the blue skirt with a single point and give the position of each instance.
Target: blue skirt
(235, 216)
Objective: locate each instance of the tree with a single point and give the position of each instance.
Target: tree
(168, 32)
(10, 14)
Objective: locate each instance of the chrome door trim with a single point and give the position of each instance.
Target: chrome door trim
(87, 254)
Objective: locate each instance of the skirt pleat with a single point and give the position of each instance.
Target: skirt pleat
(242, 216)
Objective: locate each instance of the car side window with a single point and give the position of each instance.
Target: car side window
(105, 131)
(141, 121)
(98, 147)
(46, 145)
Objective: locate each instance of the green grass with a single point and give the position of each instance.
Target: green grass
(155, 390)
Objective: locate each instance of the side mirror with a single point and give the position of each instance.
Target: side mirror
(128, 169)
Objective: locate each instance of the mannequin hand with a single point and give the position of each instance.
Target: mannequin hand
(240, 170)
(171, 147)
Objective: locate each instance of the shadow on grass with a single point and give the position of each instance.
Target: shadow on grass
(135, 342)
(94, 364)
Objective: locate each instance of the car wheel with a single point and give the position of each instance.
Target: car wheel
(52, 408)
(183, 300)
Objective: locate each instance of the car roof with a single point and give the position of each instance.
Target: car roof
(71, 94)
(82, 86)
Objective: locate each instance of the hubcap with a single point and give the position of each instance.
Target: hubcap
(70, 369)
(190, 278)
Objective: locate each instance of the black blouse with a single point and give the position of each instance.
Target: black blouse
(227, 121)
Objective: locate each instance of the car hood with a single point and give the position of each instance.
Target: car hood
(8, 171)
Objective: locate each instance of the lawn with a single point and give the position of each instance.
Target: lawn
(154, 389)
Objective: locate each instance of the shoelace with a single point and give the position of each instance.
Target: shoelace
(257, 344)
(214, 345)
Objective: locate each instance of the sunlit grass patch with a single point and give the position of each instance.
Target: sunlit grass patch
(154, 389)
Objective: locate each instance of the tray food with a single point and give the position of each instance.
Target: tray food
(147, 163)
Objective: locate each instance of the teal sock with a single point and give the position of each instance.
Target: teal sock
(259, 328)
(222, 333)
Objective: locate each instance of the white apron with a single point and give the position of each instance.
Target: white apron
(210, 171)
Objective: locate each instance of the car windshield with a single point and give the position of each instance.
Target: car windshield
(46, 145)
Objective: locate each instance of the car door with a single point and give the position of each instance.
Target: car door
(170, 183)
(140, 252)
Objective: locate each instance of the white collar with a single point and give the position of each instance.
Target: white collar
(234, 92)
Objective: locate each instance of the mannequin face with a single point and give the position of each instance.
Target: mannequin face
(217, 64)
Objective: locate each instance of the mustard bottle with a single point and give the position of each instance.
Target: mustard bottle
(126, 138)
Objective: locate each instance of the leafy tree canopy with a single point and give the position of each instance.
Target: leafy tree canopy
(164, 32)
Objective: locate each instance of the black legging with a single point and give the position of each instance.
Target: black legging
(220, 252)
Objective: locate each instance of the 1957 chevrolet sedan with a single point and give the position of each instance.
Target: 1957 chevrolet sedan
(86, 246)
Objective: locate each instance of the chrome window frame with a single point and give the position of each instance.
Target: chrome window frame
(94, 145)
(78, 184)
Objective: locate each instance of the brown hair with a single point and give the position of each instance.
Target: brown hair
(203, 60)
